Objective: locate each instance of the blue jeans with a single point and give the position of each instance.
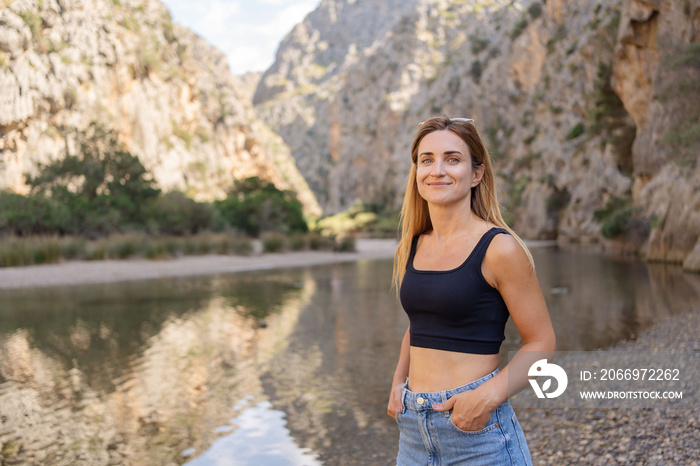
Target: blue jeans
(428, 437)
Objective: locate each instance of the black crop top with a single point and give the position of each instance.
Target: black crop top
(455, 310)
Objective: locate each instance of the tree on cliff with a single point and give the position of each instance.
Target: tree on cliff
(104, 187)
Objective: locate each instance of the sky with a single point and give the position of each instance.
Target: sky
(247, 31)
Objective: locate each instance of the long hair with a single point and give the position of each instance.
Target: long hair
(415, 217)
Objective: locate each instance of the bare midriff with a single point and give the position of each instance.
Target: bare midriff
(432, 370)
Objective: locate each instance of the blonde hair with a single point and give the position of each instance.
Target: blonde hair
(415, 217)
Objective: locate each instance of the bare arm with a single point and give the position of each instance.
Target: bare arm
(507, 268)
(400, 375)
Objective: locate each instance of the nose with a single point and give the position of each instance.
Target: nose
(438, 168)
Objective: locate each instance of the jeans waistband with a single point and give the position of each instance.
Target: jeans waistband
(425, 400)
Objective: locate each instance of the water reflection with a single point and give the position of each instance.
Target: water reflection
(247, 365)
(260, 437)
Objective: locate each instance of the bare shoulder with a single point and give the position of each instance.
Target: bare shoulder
(505, 258)
(505, 247)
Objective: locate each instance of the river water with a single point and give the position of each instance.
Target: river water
(275, 367)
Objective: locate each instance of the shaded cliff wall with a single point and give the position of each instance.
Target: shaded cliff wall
(557, 87)
(657, 75)
(167, 92)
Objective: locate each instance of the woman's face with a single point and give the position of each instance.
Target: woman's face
(444, 172)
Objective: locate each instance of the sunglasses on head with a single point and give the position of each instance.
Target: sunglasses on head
(466, 120)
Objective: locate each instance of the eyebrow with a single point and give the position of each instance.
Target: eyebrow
(447, 152)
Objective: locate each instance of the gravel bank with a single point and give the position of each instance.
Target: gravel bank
(87, 272)
(649, 436)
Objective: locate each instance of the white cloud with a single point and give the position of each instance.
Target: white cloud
(247, 32)
(219, 19)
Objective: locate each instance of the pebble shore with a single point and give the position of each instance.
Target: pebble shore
(643, 436)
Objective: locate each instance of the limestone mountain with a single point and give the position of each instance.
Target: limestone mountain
(168, 94)
(590, 107)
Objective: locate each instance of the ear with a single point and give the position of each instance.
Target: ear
(478, 174)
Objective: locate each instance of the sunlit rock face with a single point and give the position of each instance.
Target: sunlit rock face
(582, 102)
(169, 95)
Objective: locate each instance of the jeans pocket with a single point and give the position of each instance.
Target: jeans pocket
(492, 424)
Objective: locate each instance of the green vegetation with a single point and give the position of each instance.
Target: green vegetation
(620, 218)
(593, 25)
(476, 71)
(255, 206)
(576, 131)
(558, 200)
(689, 56)
(33, 21)
(98, 201)
(16, 251)
(148, 59)
(559, 35)
(102, 190)
(130, 23)
(526, 161)
(493, 143)
(515, 194)
(610, 118)
(684, 66)
(183, 134)
(360, 218)
(519, 27)
(686, 136)
(479, 44)
(608, 105)
(535, 10)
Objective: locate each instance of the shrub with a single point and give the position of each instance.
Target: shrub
(298, 242)
(255, 206)
(33, 21)
(102, 189)
(558, 200)
(176, 214)
(32, 215)
(273, 242)
(479, 44)
(519, 27)
(347, 244)
(476, 70)
(576, 131)
(535, 10)
(620, 218)
(318, 242)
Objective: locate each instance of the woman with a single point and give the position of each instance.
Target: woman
(460, 272)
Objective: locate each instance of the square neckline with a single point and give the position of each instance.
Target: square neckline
(414, 249)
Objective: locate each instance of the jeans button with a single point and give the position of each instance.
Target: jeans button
(420, 400)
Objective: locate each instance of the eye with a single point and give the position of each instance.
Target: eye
(453, 160)
(426, 161)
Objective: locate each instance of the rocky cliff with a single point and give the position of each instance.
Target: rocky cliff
(590, 107)
(168, 94)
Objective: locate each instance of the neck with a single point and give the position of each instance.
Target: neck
(450, 221)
